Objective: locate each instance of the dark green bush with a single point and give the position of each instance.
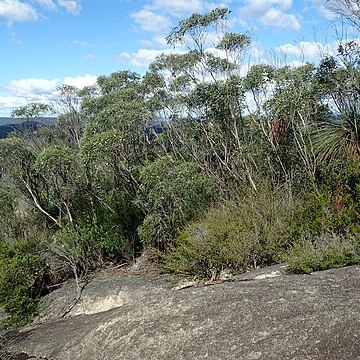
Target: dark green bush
(171, 193)
(234, 237)
(84, 247)
(22, 280)
(324, 252)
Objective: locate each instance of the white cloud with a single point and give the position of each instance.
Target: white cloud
(9, 103)
(143, 57)
(272, 13)
(156, 15)
(32, 86)
(339, 9)
(47, 4)
(155, 40)
(81, 81)
(260, 7)
(17, 11)
(216, 52)
(71, 6)
(80, 43)
(324, 8)
(275, 17)
(22, 11)
(24, 91)
(150, 21)
(307, 50)
(178, 7)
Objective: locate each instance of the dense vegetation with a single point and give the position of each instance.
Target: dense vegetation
(246, 170)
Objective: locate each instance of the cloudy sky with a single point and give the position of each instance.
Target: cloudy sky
(45, 43)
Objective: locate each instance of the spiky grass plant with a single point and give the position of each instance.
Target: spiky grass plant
(339, 137)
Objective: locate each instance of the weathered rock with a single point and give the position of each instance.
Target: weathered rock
(303, 317)
(101, 294)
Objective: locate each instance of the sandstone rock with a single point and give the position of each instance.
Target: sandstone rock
(272, 317)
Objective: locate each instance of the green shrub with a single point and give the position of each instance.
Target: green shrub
(303, 257)
(325, 252)
(171, 193)
(206, 248)
(334, 207)
(86, 246)
(22, 281)
(234, 237)
(314, 215)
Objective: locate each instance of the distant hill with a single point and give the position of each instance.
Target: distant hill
(11, 120)
(9, 124)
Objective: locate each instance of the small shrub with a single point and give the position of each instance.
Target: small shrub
(171, 193)
(75, 245)
(86, 246)
(303, 257)
(234, 237)
(326, 252)
(204, 251)
(335, 206)
(22, 281)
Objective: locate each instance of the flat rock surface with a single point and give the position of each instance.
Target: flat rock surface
(104, 292)
(265, 315)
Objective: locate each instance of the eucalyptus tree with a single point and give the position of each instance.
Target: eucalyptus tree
(201, 92)
(113, 149)
(46, 170)
(18, 170)
(172, 192)
(33, 115)
(347, 10)
(294, 107)
(71, 119)
(258, 83)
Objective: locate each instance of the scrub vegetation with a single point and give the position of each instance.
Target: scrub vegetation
(207, 168)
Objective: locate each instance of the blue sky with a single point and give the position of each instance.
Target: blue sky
(45, 43)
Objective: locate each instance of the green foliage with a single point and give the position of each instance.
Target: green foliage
(314, 216)
(258, 77)
(217, 101)
(334, 206)
(196, 23)
(105, 190)
(34, 110)
(7, 201)
(117, 81)
(207, 247)
(321, 253)
(22, 280)
(234, 237)
(88, 245)
(234, 42)
(121, 106)
(171, 192)
(77, 245)
(296, 92)
(57, 161)
(339, 138)
(15, 154)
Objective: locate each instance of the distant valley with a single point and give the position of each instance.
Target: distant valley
(9, 124)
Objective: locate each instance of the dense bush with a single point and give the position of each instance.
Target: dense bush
(235, 236)
(171, 192)
(180, 161)
(86, 246)
(324, 252)
(23, 279)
